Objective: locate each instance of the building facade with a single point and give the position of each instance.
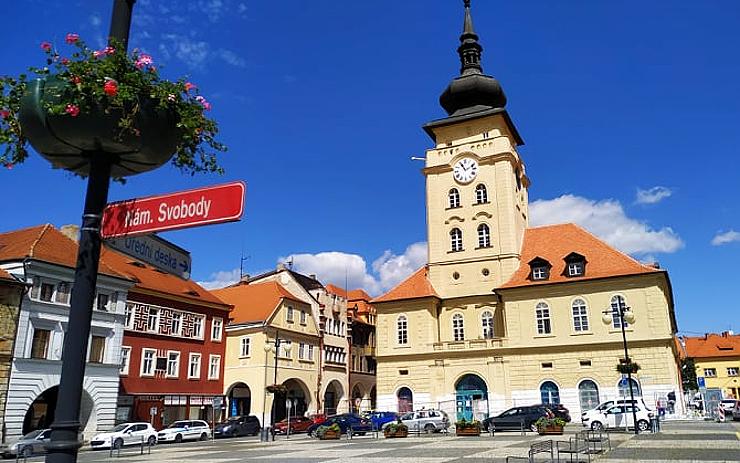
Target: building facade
(173, 348)
(717, 360)
(45, 258)
(11, 292)
(505, 314)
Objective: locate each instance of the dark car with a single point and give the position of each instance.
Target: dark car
(516, 418)
(345, 421)
(297, 424)
(238, 426)
(558, 410)
(380, 418)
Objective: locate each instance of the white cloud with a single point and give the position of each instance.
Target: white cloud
(190, 51)
(220, 279)
(726, 237)
(232, 58)
(95, 20)
(607, 220)
(652, 195)
(342, 268)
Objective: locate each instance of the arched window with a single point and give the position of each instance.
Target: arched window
(456, 240)
(405, 400)
(454, 198)
(484, 236)
(458, 329)
(481, 194)
(580, 315)
(616, 319)
(588, 394)
(624, 388)
(550, 393)
(543, 318)
(486, 321)
(402, 329)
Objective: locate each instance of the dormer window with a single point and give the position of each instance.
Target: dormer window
(575, 265)
(540, 269)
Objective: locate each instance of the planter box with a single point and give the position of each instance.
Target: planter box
(395, 434)
(467, 431)
(554, 430)
(331, 435)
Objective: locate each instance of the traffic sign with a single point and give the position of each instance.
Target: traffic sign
(217, 402)
(190, 208)
(156, 252)
(700, 382)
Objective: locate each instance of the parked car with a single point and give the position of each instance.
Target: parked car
(238, 426)
(736, 412)
(185, 430)
(317, 418)
(517, 417)
(358, 424)
(728, 405)
(429, 420)
(28, 445)
(125, 434)
(297, 424)
(617, 416)
(558, 410)
(380, 418)
(610, 403)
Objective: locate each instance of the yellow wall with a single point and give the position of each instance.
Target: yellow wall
(730, 385)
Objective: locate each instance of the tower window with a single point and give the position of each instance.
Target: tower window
(454, 198)
(484, 236)
(487, 324)
(402, 330)
(481, 194)
(458, 329)
(543, 319)
(456, 240)
(518, 176)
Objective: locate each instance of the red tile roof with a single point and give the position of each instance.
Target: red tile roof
(554, 242)
(413, 287)
(254, 302)
(334, 289)
(47, 244)
(6, 276)
(358, 295)
(150, 278)
(713, 345)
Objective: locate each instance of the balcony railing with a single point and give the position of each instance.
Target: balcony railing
(470, 344)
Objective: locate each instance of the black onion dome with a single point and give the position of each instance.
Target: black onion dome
(472, 90)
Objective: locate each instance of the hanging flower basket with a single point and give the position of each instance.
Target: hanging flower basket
(625, 368)
(105, 103)
(276, 389)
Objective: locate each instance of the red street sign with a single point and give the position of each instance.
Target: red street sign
(190, 208)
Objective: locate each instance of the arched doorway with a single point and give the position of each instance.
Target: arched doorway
(550, 393)
(471, 396)
(405, 400)
(332, 396)
(240, 399)
(588, 394)
(357, 397)
(40, 413)
(624, 388)
(299, 397)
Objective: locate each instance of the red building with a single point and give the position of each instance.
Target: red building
(172, 357)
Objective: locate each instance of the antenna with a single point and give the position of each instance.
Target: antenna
(241, 265)
(417, 158)
(290, 263)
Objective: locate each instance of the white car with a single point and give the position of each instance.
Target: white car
(427, 421)
(125, 434)
(617, 416)
(728, 405)
(185, 430)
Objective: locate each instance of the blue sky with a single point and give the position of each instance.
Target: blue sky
(321, 104)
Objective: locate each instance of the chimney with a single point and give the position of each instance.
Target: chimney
(727, 334)
(71, 231)
(655, 264)
(312, 276)
(280, 267)
(244, 278)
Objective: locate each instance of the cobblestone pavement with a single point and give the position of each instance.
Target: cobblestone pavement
(678, 442)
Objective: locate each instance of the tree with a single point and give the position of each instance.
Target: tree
(688, 375)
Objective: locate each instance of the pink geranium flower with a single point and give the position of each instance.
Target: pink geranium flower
(8, 165)
(46, 46)
(143, 60)
(189, 86)
(72, 110)
(111, 87)
(206, 105)
(72, 38)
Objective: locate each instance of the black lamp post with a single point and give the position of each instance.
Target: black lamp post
(625, 314)
(64, 442)
(276, 348)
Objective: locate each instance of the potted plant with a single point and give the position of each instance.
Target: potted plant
(84, 103)
(630, 367)
(333, 432)
(397, 429)
(464, 427)
(547, 425)
(276, 389)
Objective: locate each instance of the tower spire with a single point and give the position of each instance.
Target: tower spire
(469, 49)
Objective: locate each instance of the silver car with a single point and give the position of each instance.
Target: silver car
(31, 444)
(428, 421)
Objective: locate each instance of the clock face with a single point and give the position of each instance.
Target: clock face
(465, 170)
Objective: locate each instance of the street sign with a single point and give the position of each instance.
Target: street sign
(700, 382)
(156, 252)
(190, 208)
(152, 411)
(217, 403)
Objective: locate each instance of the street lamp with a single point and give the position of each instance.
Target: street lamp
(275, 347)
(625, 315)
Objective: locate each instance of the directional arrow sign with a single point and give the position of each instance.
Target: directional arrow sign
(156, 252)
(191, 208)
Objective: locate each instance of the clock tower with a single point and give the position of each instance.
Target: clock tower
(476, 182)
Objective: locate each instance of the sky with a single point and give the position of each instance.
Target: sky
(629, 112)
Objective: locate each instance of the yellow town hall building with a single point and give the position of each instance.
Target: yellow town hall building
(505, 314)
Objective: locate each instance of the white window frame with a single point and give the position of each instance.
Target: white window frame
(216, 335)
(211, 359)
(486, 322)
(176, 373)
(310, 352)
(458, 327)
(289, 314)
(302, 351)
(198, 322)
(481, 194)
(540, 272)
(732, 371)
(614, 304)
(456, 240)
(129, 313)
(176, 316)
(303, 317)
(58, 293)
(484, 236)
(402, 330)
(149, 329)
(579, 313)
(153, 364)
(125, 363)
(245, 341)
(543, 318)
(283, 351)
(710, 372)
(194, 356)
(453, 198)
(106, 306)
(575, 268)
